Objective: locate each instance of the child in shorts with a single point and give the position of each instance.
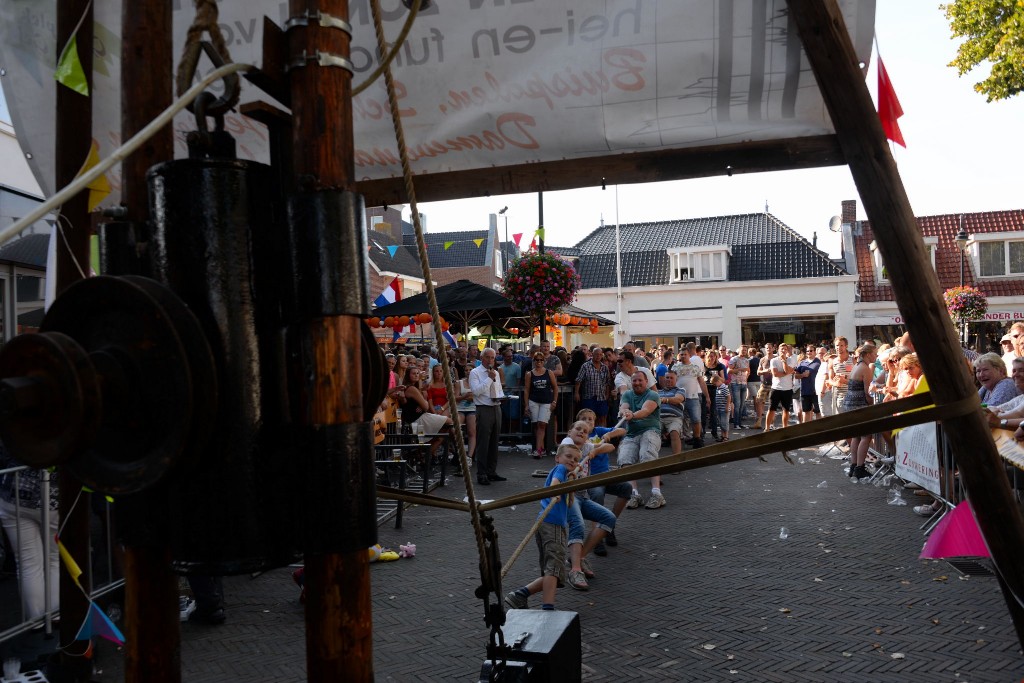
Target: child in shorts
(551, 537)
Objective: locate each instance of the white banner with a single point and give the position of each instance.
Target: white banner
(486, 83)
(917, 457)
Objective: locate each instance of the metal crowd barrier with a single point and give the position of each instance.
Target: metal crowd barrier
(103, 579)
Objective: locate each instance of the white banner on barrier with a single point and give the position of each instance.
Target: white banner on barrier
(917, 456)
(486, 83)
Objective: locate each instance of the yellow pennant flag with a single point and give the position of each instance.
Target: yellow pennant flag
(448, 244)
(540, 233)
(100, 187)
(479, 241)
(69, 71)
(73, 569)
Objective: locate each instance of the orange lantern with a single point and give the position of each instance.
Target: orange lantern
(403, 321)
(577, 320)
(424, 318)
(389, 321)
(445, 326)
(373, 322)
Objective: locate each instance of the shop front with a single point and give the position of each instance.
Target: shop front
(812, 329)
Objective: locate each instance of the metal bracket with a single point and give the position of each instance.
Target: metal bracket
(321, 18)
(322, 59)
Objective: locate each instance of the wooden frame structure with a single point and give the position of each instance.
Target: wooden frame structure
(339, 622)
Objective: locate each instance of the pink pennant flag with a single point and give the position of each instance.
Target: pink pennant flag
(516, 236)
(957, 535)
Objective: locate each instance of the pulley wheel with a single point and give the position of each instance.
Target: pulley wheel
(49, 398)
(144, 378)
(203, 369)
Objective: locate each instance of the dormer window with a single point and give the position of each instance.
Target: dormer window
(882, 274)
(703, 263)
(997, 254)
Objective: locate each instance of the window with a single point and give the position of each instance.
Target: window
(498, 263)
(882, 273)
(703, 263)
(997, 254)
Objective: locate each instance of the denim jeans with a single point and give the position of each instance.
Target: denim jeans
(739, 402)
(584, 508)
(620, 490)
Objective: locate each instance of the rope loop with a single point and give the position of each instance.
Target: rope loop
(216, 50)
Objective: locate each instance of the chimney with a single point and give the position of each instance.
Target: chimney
(849, 210)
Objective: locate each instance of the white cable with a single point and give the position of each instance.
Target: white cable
(122, 152)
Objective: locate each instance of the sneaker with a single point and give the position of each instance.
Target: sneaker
(516, 601)
(861, 473)
(634, 502)
(186, 606)
(578, 581)
(853, 468)
(924, 510)
(656, 501)
(600, 550)
(611, 540)
(210, 617)
(587, 571)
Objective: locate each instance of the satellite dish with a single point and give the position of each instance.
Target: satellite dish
(835, 224)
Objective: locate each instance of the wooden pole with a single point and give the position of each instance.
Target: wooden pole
(73, 138)
(152, 629)
(835, 64)
(339, 619)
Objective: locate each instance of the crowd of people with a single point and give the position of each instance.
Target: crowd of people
(632, 403)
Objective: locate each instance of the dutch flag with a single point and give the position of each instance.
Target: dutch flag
(391, 294)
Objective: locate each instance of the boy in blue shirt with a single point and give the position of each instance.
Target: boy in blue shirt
(551, 537)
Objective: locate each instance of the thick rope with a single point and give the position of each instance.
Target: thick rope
(526, 539)
(391, 55)
(205, 22)
(403, 153)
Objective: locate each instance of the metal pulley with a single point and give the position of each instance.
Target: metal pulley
(118, 385)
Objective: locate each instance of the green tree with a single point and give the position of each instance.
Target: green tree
(994, 32)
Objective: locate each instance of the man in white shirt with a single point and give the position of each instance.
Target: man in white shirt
(485, 383)
(624, 379)
(690, 378)
(783, 367)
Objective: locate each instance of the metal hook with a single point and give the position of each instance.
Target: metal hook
(232, 86)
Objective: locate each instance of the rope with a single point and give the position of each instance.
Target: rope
(399, 41)
(526, 539)
(403, 152)
(205, 22)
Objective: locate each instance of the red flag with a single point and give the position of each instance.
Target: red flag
(889, 109)
(516, 236)
(533, 244)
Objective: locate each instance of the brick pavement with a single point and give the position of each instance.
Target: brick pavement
(701, 590)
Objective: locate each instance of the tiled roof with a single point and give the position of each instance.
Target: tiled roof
(29, 250)
(562, 251)
(763, 248)
(405, 261)
(462, 254)
(947, 256)
(751, 228)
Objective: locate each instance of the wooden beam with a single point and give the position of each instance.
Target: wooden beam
(152, 621)
(74, 120)
(638, 167)
(835, 64)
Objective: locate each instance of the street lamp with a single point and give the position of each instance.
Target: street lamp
(505, 252)
(961, 244)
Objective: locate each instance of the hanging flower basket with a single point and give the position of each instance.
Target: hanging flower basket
(965, 304)
(540, 282)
